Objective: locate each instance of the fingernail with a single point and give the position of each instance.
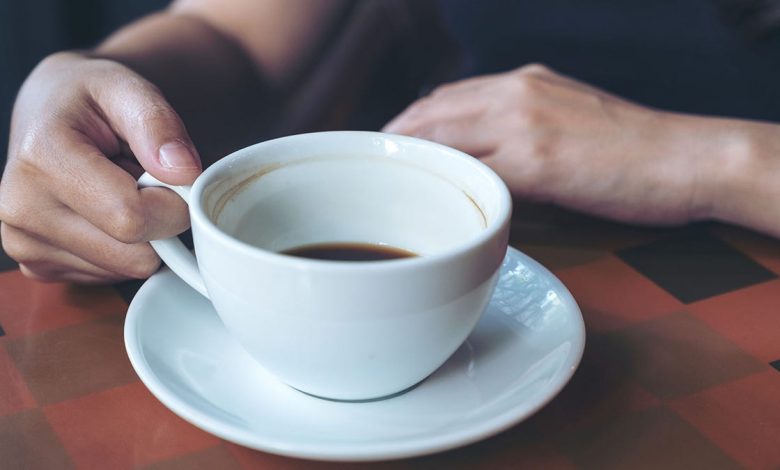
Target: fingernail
(176, 156)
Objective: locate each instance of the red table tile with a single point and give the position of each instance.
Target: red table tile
(678, 355)
(661, 385)
(123, 427)
(655, 438)
(28, 442)
(612, 295)
(214, 458)
(255, 460)
(14, 394)
(742, 417)
(749, 317)
(601, 388)
(28, 307)
(518, 447)
(73, 361)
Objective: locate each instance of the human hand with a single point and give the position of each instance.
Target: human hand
(554, 139)
(81, 130)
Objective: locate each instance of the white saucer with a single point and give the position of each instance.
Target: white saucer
(523, 351)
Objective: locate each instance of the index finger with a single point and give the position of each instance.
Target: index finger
(85, 180)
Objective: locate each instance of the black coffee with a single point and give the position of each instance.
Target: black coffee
(349, 252)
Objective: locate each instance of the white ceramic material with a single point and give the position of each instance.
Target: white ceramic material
(523, 351)
(345, 330)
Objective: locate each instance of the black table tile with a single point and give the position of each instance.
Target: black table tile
(693, 265)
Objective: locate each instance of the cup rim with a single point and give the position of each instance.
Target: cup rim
(208, 227)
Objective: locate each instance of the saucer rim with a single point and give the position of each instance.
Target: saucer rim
(344, 451)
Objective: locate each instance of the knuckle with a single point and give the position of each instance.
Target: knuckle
(53, 62)
(426, 132)
(58, 57)
(52, 59)
(32, 146)
(441, 133)
(596, 101)
(144, 264)
(22, 191)
(530, 80)
(13, 248)
(420, 105)
(10, 209)
(136, 82)
(126, 221)
(108, 77)
(414, 117)
(443, 90)
(534, 68)
(155, 113)
(525, 87)
(20, 247)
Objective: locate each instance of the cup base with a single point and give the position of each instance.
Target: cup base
(363, 400)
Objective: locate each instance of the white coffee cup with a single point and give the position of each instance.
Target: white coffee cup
(340, 329)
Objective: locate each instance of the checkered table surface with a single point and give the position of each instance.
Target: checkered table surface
(681, 367)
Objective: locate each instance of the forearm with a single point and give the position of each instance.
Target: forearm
(209, 79)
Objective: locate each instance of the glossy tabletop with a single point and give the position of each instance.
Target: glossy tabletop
(681, 367)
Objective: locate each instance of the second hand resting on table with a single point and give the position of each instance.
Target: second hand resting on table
(82, 123)
(554, 139)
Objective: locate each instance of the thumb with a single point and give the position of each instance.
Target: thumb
(141, 116)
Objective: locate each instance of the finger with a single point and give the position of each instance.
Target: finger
(467, 85)
(140, 114)
(466, 135)
(46, 261)
(77, 174)
(435, 109)
(461, 98)
(130, 165)
(567, 88)
(545, 73)
(58, 226)
(65, 276)
(78, 236)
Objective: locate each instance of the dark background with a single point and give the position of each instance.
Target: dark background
(32, 29)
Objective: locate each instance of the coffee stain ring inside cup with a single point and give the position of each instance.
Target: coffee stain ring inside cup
(228, 195)
(476, 206)
(231, 193)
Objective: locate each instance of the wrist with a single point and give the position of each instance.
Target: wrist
(742, 182)
(696, 159)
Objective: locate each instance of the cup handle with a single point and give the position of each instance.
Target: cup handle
(172, 250)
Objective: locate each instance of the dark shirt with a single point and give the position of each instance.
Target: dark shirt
(678, 55)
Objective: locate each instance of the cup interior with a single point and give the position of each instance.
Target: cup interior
(352, 187)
